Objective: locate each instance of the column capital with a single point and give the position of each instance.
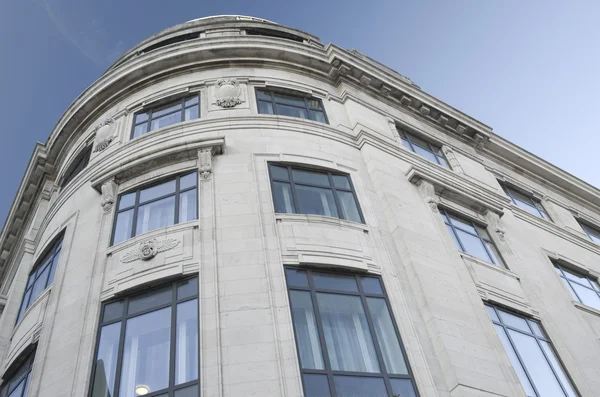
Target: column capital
(109, 194)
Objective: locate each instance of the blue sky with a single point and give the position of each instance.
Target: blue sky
(529, 69)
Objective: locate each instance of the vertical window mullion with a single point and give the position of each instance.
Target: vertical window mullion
(135, 213)
(341, 212)
(172, 356)
(150, 112)
(294, 194)
(182, 114)
(512, 344)
(562, 387)
(324, 351)
(484, 241)
(121, 348)
(273, 102)
(177, 193)
(564, 276)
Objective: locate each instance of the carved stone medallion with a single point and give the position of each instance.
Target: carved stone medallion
(148, 249)
(227, 92)
(104, 135)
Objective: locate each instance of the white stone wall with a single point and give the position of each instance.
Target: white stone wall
(239, 246)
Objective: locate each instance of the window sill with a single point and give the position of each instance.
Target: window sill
(497, 268)
(322, 220)
(31, 307)
(586, 308)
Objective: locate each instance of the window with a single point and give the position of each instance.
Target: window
(174, 112)
(78, 165)
(532, 355)
(148, 344)
(15, 385)
(583, 289)
(471, 238)
(592, 232)
(41, 276)
(528, 203)
(270, 102)
(301, 191)
(160, 205)
(423, 148)
(346, 338)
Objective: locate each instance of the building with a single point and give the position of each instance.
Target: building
(235, 209)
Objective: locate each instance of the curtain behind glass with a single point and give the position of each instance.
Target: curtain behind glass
(305, 327)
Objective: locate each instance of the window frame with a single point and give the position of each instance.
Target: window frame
(328, 371)
(170, 390)
(537, 338)
(161, 106)
(593, 284)
(534, 202)
(334, 189)
(28, 359)
(407, 136)
(587, 227)
(135, 207)
(446, 215)
(83, 157)
(48, 257)
(298, 95)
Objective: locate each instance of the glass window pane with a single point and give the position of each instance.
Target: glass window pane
(167, 110)
(106, 361)
(317, 115)
(24, 303)
(289, 100)
(282, 196)
(311, 178)
(570, 289)
(126, 200)
(150, 299)
(140, 130)
(263, 95)
(140, 117)
(157, 191)
(492, 313)
(123, 226)
(349, 206)
(473, 245)
(443, 162)
(349, 341)
(186, 353)
(464, 225)
(338, 282)
(493, 253)
(558, 369)
(112, 311)
(265, 107)
(31, 279)
(386, 336)
(529, 208)
(371, 285)
(403, 388)
(572, 276)
(588, 296)
(592, 233)
(314, 103)
(451, 232)
(17, 392)
(425, 153)
(191, 113)
(155, 215)
(187, 288)
(514, 360)
(537, 330)
(165, 120)
(291, 111)
(305, 329)
(317, 201)
(316, 386)
(188, 181)
(296, 278)
(341, 182)
(535, 363)
(191, 391)
(188, 206)
(52, 270)
(191, 101)
(40, 284)
(278, 172)
(353, 386)
(514, 321)
(406, 143)
(146, 353)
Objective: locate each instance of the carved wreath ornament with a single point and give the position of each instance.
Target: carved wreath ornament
(227, 92)
(148, 249)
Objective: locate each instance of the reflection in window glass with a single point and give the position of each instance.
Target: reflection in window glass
(180, 110)
(150, 208)
(146, 330)
(592, 232)
(288, 105)
(313, 192)
(528, 203)
(582, 288)
(16, 385)
(532, 356)
(423, 148)
(339, 326)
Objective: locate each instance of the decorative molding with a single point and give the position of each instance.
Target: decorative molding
(366, 80)
(109, 194)
(427, 190)
(205, 167)
(404, 100)
(424, 110)
(494, 224)
(451, 157)
(385, 90)
(104, 134)
(148, 249)
(227, 93)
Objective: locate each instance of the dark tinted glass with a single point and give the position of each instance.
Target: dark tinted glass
(341, 181)
(352, 386)
(157, 191)
(278, 172)
(127, 200)
(371, 285)
(187, 288)
(335, 282)
(296, 278)
(112, 311)
(316, 386)
(187, 181)
(150, 300)
(403, 387)
(191, 391)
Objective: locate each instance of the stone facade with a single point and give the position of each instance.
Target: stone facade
(239, 246)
